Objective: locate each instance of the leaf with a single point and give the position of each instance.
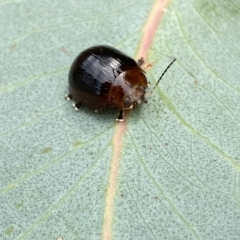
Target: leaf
(177, 158)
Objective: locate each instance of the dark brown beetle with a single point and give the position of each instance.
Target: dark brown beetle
(102, 77)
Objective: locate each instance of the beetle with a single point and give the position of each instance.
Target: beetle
(102, 77)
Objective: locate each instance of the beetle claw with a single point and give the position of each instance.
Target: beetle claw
(120, 117)
(140, 61)
(76, 106)
(68, 97)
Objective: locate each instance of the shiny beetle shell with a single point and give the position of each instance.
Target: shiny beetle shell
(102, 77)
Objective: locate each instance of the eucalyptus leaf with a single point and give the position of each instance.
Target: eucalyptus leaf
(178, 176)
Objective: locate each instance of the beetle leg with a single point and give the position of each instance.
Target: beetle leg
(77, 106)
(120, 117)
(140, 61)
(68, 97)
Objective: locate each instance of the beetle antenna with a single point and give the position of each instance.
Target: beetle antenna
(162, 75)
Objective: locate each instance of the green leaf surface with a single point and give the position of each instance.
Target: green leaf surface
(179, 169)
